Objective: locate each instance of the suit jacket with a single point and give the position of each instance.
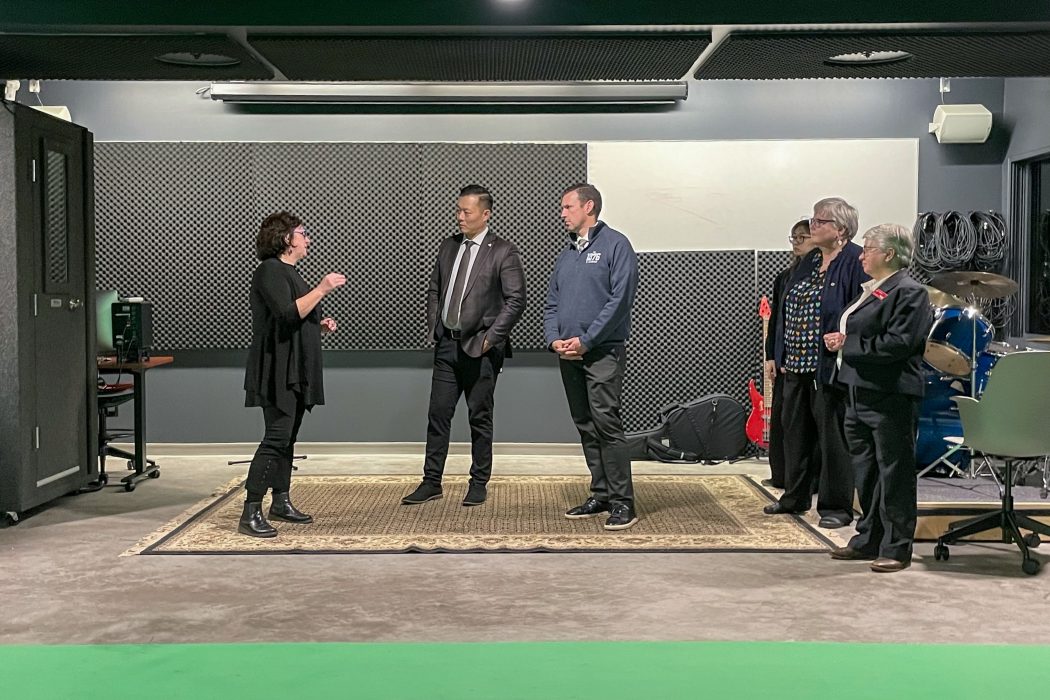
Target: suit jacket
(886, 336)
(493, 297)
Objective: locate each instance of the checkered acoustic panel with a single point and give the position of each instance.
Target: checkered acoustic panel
(176, 224)
(695, 331)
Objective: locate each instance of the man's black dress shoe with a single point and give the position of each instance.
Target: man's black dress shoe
(850, 554)
(769, 483)
(622, 517)
(476, 494)
(778, 509)
(588, 509)
(282, 509)
(426, 491)
(830, 522)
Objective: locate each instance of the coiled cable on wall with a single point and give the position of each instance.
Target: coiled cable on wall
(956, 240)
(992, 240)
(926, 257)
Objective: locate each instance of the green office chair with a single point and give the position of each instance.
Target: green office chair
(1010, 421)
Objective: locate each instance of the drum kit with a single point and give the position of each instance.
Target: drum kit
(960, 356)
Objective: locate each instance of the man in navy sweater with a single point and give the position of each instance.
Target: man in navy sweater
(586, 320)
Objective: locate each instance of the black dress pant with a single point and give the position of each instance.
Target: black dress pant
(593, 387)
(813, 422)
(457, 373)
(777, 468)
(271, 466)
(880, 431)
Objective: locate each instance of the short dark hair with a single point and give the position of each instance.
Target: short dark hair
(802, 225)
(586, 193)
(482, 193)
(272, 239)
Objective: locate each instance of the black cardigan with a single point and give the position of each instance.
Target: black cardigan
(284, 359)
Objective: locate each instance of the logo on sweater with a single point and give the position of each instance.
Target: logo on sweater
(594, 257)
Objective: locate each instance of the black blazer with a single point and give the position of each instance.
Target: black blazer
(493, 299)
(886, 336)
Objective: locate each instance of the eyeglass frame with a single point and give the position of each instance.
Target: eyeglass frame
(792, 238)
(816, 221)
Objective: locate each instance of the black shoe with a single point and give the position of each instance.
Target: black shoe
(476, 494)
(252, 522)
(770, 484)
(426, 491)
(590, 508)
(831, 522)
(282, 509)
(621, 518)
(778, 509)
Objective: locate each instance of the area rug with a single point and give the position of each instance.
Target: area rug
(362, 514)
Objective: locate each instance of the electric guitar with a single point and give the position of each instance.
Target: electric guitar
(761, 404)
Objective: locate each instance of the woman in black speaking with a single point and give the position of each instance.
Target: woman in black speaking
(879, 344)
(283, 374)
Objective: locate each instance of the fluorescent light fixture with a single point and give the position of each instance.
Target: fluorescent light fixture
(451, 93)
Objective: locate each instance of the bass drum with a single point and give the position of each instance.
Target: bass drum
(958, 336)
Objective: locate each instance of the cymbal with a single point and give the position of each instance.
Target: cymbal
(986, 285)
(944, 300)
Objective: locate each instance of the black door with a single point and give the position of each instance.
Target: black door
(64, 357)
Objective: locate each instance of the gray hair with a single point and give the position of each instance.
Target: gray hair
(841, 212)
(892, 237)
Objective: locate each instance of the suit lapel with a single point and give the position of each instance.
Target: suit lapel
(484, 253)
(886, 287)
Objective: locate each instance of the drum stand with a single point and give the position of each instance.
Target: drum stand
(957, 446)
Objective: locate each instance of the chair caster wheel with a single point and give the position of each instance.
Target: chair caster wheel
(12, 518)
(154, 474)
(131, 466)
(1032, 540)
(940, 552)
(1030, 566)
(129, 487)
(103, 479)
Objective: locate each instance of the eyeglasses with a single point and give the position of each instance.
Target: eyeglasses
(796, 238)
(868, 249)
(814, 221)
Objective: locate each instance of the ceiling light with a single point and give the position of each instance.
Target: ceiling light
(206, 60)
(868, 58)
(451, 93)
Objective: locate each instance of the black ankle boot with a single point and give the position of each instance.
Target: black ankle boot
(282, 509)
(253, 523)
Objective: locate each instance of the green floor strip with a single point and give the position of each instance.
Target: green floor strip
(537, 671)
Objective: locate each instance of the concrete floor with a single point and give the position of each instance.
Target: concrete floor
(62, 580)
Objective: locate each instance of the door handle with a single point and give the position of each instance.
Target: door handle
(74, 304)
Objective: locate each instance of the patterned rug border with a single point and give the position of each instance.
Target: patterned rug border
(150, 544)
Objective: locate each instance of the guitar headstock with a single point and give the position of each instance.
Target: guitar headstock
(764, 310)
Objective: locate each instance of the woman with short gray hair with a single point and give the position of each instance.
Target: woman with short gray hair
(879, 343)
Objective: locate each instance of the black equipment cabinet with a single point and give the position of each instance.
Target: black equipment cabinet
(48, 374)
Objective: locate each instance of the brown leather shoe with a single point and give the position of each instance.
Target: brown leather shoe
(889, 566)
(850, 554)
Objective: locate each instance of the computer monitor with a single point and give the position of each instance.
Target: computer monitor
(104, 301)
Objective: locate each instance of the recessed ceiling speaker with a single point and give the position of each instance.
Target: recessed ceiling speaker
(961, 123)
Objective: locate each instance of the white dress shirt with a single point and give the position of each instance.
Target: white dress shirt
(477, 240)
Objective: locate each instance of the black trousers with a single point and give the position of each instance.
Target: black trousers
(777, 468)
(593, 387)
(880, 431)
(813, 422)
(271, 466)
(457, 373)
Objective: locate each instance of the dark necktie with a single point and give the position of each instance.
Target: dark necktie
(452, 317)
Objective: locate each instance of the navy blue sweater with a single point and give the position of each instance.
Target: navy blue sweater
(591, 292)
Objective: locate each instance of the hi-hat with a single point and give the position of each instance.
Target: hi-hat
(944, 300)
(985, 285)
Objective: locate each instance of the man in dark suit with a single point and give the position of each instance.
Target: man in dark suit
(476, 295)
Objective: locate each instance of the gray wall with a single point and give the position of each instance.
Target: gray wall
(1027, 106)
(389, 403)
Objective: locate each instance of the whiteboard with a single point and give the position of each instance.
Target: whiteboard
(726, 195)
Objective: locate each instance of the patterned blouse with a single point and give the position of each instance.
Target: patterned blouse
(802, 323)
